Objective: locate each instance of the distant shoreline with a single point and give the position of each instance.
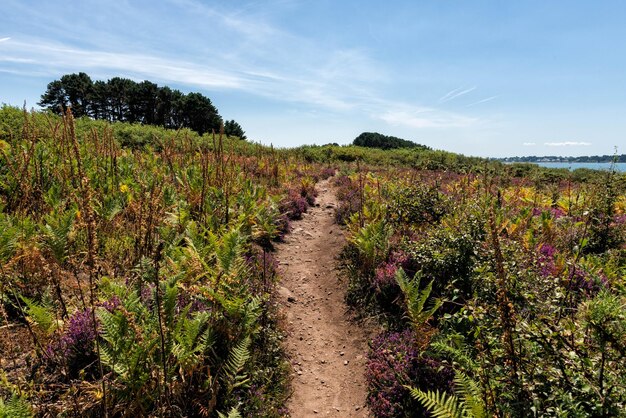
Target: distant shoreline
(554, 159)
(602, 166)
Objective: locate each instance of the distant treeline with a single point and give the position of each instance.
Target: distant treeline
(555, 159)
(376, 140)
(124, 100)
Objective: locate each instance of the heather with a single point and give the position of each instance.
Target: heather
(506, 292)
(137, 268)
(138, 274)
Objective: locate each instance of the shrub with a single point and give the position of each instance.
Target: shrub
(308, 190)
(417, 204)
(446, 257)
(294, 205)
(326, 173)
(349, 199)
(75, 346)
(394, 361)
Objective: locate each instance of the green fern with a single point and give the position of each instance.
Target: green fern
(129, 355)
(15, 407)
(455, 349)
(265, 226)
(109, 207)
(470, 395)
(415, 298)
(372, 242)
(192, 339)
(16, 234)
(468, 404)
(439, 404)
(42, 316)
(170, 298)
(234, 366)
(229, 251)
(9, 237)
(233, 413)
(250, 314)
(247, 311)
(57, 232)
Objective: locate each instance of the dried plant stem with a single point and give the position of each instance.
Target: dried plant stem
(157, 260)
(505, 306)
(90, 224)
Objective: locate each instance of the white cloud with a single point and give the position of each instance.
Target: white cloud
(529, 144)
(4, 39)
(425, 118)
(453, 94)
(567, 144)
(488, 99)
(342, 84)
(56, 58)
(256, 58)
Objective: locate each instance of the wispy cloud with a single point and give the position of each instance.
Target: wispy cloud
(529, 144)
(567, 144)
(343, 83)
(488, 99)
(453, 94)
(4, 39)
(419, 118)
(58, 58)
(250, 55)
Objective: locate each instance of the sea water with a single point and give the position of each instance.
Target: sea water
(621, 167)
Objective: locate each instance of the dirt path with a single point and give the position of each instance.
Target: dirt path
(326, 349)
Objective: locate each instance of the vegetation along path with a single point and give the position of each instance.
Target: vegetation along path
(326, 349)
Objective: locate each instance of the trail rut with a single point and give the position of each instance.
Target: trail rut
(327, 350)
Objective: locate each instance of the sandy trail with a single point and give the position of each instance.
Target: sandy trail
(326, 349)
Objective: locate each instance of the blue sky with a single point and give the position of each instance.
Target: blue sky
(487, 78)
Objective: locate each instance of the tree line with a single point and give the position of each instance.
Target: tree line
(124, 100)
(376, 140)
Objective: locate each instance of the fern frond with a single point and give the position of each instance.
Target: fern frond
(235, 364)
(9, 237)
(470, 395)
(416, 299)
(233, 413)
(458, 355)
(190, 342)
(169, 302)
(439, 404)
(109, 208)
(15, 407)
(251, 313)
(56, 234)
(42, 316)
(230, 249)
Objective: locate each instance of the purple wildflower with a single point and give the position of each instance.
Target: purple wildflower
(545, 260)
(394, 361)
(385, 276)
(585, 283)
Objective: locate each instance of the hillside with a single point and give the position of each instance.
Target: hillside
(155, 272)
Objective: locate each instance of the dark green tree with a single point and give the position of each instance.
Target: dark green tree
(232, 128)
(54, 98)
(199, 114)
(72, 90)
(143, 103)
(120, 91)
(78, 88)
(100, 101)
(376, 140)
(124, 100)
